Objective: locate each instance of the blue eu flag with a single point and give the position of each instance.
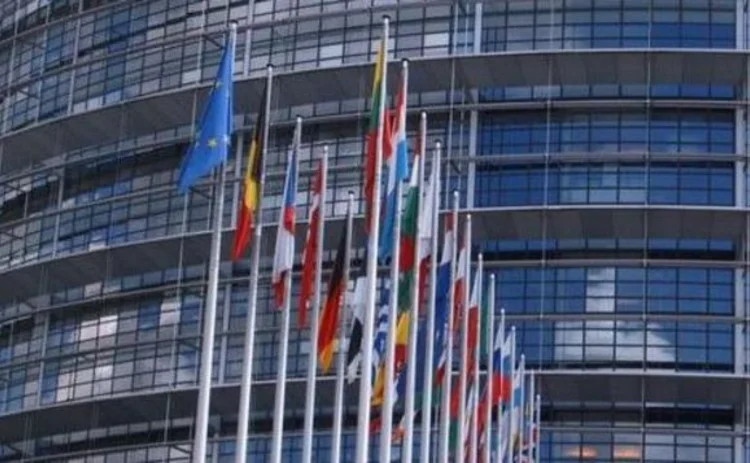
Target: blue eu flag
(210, 145)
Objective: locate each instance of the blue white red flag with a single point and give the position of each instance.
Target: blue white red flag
(283, 257)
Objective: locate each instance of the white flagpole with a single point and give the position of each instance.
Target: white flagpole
(538, 426)
(522, 378)
(474, 421)
(338, 406)
(500, 430)
(365, 381)
(426, 432)
(490, 347)
(312, 358)
(209, 314)
(209, 326)
(243, 419)
(445, 399)
(278, 417)
(415, 296)
(531, 409)
(463, 380)
(509, 447)
(386, 435)
(386, 438)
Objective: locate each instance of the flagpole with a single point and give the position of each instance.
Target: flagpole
(278, 416)
(490, 348)
(338, 405)
(531, 408)
(521, 405)
(411, 363)
(390, 348)
(209, 326)
(243, 419)
(365, 381)
(499, 442)
(426, 435)
(445, 399)
(463, 380)
(312, 359)
(474, 421)
(209, 314)
(538, 429)
(510, 447)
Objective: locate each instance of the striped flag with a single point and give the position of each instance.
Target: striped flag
(442, 299)
(310, 252)
(372, 135)
(468, 363)
(500, 382)
(407, 276)
(426, 231)
(329, 318)
(458, 288)
(249, 200)
(283, 257)
(398, 170)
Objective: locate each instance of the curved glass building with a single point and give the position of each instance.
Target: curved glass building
(601, 145)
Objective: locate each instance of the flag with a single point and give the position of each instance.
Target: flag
(442, 299)
(283, 257)
(310, 252)
(398, 170)
(500, 382)
(210, 145)
(473, 346)
(372, 135)
(249, 199)
(406, 268)
(517, 399)
(473, 335)
(471, 341)
(426, 232)
(356, 331)
(379, 339)
(329, 318)
(458, 289)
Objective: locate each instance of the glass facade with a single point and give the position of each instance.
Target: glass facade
(612, 211)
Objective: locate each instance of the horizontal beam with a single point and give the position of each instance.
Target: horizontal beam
(632, 386)
(513, 223)
(174, 108)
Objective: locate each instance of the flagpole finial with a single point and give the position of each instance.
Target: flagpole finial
(386, 17)
(513, 328)
(233, 25)
(423, 115)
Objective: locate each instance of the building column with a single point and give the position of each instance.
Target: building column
(474, 114)
(223, 346)
(741, 273)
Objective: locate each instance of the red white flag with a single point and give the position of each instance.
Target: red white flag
(310, 253)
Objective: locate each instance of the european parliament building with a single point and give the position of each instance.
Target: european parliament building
(601, 146)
